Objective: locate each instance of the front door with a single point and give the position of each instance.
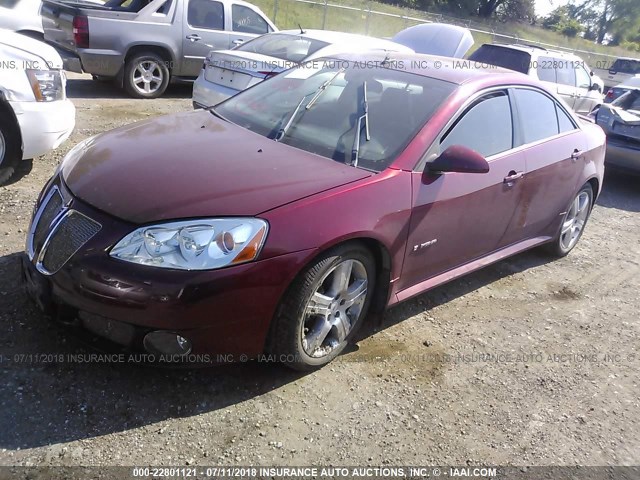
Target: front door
(459, 217)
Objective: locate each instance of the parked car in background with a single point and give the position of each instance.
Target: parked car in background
(227, 72)
(615, 92)
(621, 122)
(35, 115)
(621, 70)
(273, 236)
(436, 39)
(22, 16)
(564, 73)
(142, 44)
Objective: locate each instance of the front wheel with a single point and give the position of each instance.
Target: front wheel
(146, 76)
(573, 223)
(323, 308)
(10, 154)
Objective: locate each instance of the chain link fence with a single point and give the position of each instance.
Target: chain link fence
(382, 20)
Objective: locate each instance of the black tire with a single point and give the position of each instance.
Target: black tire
(558, 247)
(160, 69)
(286, 335)
(10, 153)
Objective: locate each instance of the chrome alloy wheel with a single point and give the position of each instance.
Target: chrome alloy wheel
(334, 308)
(574, 221)
(147, 77)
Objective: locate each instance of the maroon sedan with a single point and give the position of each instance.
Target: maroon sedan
(275, 221)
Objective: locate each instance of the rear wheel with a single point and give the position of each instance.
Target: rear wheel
(573, 223)
(324, 308)
(146, 75)
(9, 147)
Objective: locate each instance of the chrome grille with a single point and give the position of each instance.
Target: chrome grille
(72, 232)
(48, 211)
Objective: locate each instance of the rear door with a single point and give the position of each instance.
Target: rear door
(566, 80)
(246, 23)
(553, 147)
(203, 30)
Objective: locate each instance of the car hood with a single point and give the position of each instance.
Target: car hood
(195, 165)
(25, 49)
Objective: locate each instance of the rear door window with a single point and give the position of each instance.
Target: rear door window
(502, 57)
(207, 14)
(546, 70)
(539, 116)
(565, 73)
(246, 20)
(486, 126)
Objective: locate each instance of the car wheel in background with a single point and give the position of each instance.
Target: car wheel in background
(146, 76)
(573, 223)
(9, 147)
(323, 308)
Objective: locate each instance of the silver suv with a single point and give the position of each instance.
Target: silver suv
(566, 74)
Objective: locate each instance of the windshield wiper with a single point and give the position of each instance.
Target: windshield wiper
(355, 151)
(316, 94)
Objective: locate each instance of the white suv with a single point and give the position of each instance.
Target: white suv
(566, 74)
(35, 114)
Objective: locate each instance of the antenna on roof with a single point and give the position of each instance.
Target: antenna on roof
(387, 57)
(302, 32)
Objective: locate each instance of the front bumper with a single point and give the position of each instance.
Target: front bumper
(44, 125)
(207, 94)
(222, 312)
(623, 155)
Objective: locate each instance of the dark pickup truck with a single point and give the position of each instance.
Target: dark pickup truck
(143, 44)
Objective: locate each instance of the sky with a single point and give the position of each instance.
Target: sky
(544, 7)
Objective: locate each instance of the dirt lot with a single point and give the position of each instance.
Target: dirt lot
(560, 385)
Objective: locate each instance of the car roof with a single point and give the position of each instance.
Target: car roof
(633, 82)
(453, 70)
(331, 36)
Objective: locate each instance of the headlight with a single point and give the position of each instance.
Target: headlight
(194, 244)
(47, 85)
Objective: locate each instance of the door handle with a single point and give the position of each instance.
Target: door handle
(194, 37)
(576, 154)
(238, 41)
(512, 177)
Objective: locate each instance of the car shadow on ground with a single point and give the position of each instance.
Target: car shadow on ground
(86, 88)
(47, 399)
(621, 191)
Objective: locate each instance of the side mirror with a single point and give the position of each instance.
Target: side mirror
(594, 87)
(460, 159)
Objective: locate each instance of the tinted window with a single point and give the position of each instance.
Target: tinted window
(538, 115)
(502, 57)
(485, 127)
(626, 66)
(629, 100)
(206, 14)
(399, 104)
(565, 124)
(293, 48)
(247, 21)
(583, 79)
(545, 69)
(565, 73)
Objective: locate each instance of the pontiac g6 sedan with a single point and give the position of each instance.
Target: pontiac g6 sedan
(275, 221)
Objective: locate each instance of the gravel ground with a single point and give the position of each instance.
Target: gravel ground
(527, 362)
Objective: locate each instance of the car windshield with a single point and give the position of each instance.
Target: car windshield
(510, 58)
(292, 48)
(320, 106)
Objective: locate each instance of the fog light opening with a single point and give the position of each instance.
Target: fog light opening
(166, 343)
